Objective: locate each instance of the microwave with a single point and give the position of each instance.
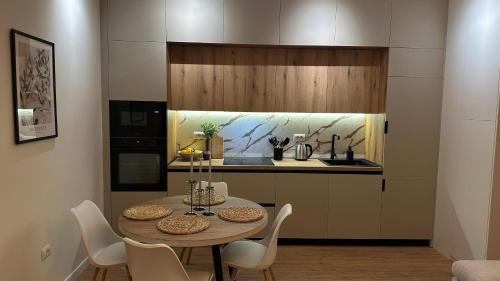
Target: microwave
(138, 119)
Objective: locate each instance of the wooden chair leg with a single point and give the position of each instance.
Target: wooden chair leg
(188, 260)
(181, 256)
(233, 274)
(272, 274)
(265, 275)
(96, 272)
(104, 272)
(129, 277)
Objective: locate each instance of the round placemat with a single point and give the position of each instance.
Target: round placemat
(241, 214)
(219, 199)
(147, 212)
(183, 224)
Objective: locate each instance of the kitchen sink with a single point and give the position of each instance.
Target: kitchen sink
(343, 162)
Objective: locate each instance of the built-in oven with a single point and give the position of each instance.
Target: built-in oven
(138, 164)
(137, 119)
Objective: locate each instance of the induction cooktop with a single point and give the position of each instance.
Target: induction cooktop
(248, 161)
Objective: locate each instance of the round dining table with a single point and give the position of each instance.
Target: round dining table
(219, 233)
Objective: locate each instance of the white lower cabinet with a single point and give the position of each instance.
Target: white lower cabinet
(177, 181)
(308, 194)
(408, 208)
(355, 202)
(257, 187)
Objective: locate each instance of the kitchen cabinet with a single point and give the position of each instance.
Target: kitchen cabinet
(177, 181)
(307, 22)
(251, 22)
(412, 140)
(257, 187)
(418, 63)
(270, 79)
(137, 71)
(195, 21)
(363, 23)
(355, 203)
(132, 20)
(408, 208)
(250, 78)
(123, 200)
(308, 194)
(196, 77)
(419, 23)
(304, 84)
(270, 213)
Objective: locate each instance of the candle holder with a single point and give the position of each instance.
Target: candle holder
(191, 183)
(210, 190)
(199, 194)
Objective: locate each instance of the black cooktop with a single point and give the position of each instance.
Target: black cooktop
(248, 161)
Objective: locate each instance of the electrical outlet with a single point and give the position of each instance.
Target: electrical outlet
(45, 252)
(198, 135)
(299, 137)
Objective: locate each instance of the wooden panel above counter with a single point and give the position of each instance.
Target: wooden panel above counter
(277, 79)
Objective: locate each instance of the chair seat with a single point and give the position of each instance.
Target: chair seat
(244, 254)
(112, 255)
(198, 275)
(476, 270)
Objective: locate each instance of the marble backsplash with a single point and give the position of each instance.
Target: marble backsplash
(247, 134)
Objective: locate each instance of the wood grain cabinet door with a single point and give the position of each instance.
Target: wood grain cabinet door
(355, 202)
(308, 194)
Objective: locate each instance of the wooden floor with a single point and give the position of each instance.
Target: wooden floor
(334, 263)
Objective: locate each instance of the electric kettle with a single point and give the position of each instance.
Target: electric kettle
(303, 151)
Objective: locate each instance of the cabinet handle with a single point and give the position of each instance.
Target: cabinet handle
(386, 127)
(383, 185)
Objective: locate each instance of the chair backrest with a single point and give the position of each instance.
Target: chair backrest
(153, 262)
(96, 231)
(271, 239)
(220, 188)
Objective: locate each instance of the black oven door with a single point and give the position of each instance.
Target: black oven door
(137, 119)
(138, 165)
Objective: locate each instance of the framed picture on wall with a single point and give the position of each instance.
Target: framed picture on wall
(34, 87)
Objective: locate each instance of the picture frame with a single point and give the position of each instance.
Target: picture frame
(34, 87)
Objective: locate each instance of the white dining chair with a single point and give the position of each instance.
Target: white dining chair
(157, 262)
(256, 255)
(104, 247)
(220, 188)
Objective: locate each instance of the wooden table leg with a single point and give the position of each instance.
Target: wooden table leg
(217, 263)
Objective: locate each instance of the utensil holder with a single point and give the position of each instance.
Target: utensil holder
(278, 154)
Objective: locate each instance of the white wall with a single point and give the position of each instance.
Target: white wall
(468, 128)
(41, 181)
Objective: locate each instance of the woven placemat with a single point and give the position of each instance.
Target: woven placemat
(147, 212)
(219, 199)
(183, 224)
(241, 214)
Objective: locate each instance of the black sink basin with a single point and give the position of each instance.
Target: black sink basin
(355, 162)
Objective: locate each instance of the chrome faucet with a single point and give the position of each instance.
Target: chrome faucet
(332, 152)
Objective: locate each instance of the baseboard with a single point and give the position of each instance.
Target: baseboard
(73, 276)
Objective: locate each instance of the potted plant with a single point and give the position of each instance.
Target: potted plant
(209, 129)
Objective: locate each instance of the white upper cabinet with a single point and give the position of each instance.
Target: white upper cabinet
(363, 23)
(251, 21)
(137, 71)
(132, 20)
(419, 23)
(307, 22)
(195, 21)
